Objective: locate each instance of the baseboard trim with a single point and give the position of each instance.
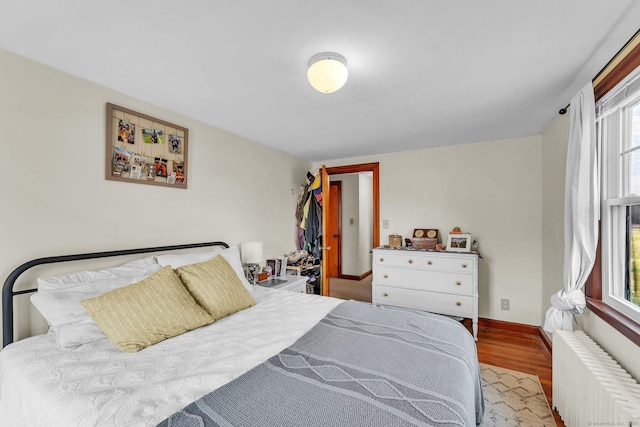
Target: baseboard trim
(546, 340)
(519, 328)
(352, 277)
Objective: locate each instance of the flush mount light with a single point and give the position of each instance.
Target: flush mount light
(327, 72)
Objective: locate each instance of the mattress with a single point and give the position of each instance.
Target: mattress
(97, 384)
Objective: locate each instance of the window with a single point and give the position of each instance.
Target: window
(618, 130)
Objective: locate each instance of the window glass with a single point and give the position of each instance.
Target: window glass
(635, 124)
(618, 130)
(634, 172)
(632, 285)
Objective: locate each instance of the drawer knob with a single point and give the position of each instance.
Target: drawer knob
(458, 283)
(458, 303)
(464, 265)
(429, 262)
(410, 261)
(385, 294)
(386, 276)
(381, 259)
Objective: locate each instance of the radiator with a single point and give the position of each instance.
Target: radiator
(589, 387)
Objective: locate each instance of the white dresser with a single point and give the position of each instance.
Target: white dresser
(438, 282)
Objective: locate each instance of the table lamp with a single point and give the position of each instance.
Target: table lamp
(251, 254)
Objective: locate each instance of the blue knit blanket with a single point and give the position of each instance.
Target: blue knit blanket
(362, 365)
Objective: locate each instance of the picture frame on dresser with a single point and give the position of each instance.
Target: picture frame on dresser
(459, 242)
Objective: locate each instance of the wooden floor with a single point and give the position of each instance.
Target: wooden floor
(511, 350)
(519, 352)
(351, 289)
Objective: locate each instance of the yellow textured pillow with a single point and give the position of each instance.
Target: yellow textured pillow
(146, 312)
(215, 286)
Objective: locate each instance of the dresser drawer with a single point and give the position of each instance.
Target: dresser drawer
(453, 305)
(438, 281)
(445, 263)
(397, 259)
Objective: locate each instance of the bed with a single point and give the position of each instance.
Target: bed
(286, 359)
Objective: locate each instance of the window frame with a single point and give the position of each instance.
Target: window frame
(617, 69)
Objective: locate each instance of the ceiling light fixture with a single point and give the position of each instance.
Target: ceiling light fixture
(327, 72)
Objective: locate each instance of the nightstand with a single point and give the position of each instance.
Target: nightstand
(289, 282)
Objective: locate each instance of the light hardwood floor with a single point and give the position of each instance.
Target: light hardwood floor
(507, 349)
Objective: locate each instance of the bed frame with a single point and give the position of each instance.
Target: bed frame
(8, 293)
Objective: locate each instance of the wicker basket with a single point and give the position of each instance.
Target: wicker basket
(395, 240)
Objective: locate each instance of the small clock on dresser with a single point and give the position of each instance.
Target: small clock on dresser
(425, 232)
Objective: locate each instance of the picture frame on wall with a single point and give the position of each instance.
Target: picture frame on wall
(459, 243)
(145, 150)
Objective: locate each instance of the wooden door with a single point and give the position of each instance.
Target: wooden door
(334, 226)
(324, 265)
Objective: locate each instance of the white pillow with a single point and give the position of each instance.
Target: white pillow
(178, 260)
(73, 335)
(58, 299)
(232, 255)
(138, 268)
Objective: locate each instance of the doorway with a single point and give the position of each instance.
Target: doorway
(334, 205)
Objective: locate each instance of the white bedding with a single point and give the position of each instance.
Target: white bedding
(97, 384)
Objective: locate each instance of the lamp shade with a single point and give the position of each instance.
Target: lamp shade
(327, 72)
(251, 252)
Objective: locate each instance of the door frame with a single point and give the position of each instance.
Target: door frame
(374, 168)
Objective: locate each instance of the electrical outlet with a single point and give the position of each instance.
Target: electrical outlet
(504, 304)
(385, 223)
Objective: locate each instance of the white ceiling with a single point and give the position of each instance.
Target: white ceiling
(422, 73)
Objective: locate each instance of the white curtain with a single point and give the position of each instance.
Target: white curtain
(581, 213)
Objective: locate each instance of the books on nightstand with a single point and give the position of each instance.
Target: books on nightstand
(278, 266)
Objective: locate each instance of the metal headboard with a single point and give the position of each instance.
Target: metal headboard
(8, 293)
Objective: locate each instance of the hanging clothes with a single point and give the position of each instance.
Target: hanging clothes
(309, 214)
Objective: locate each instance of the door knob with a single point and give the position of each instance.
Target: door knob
(336, 235)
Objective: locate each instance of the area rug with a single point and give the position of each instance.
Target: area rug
(513, 398)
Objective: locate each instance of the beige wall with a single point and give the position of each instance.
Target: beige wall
(492, 190)
(366, 221)
(55, 199)
(554, 158)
